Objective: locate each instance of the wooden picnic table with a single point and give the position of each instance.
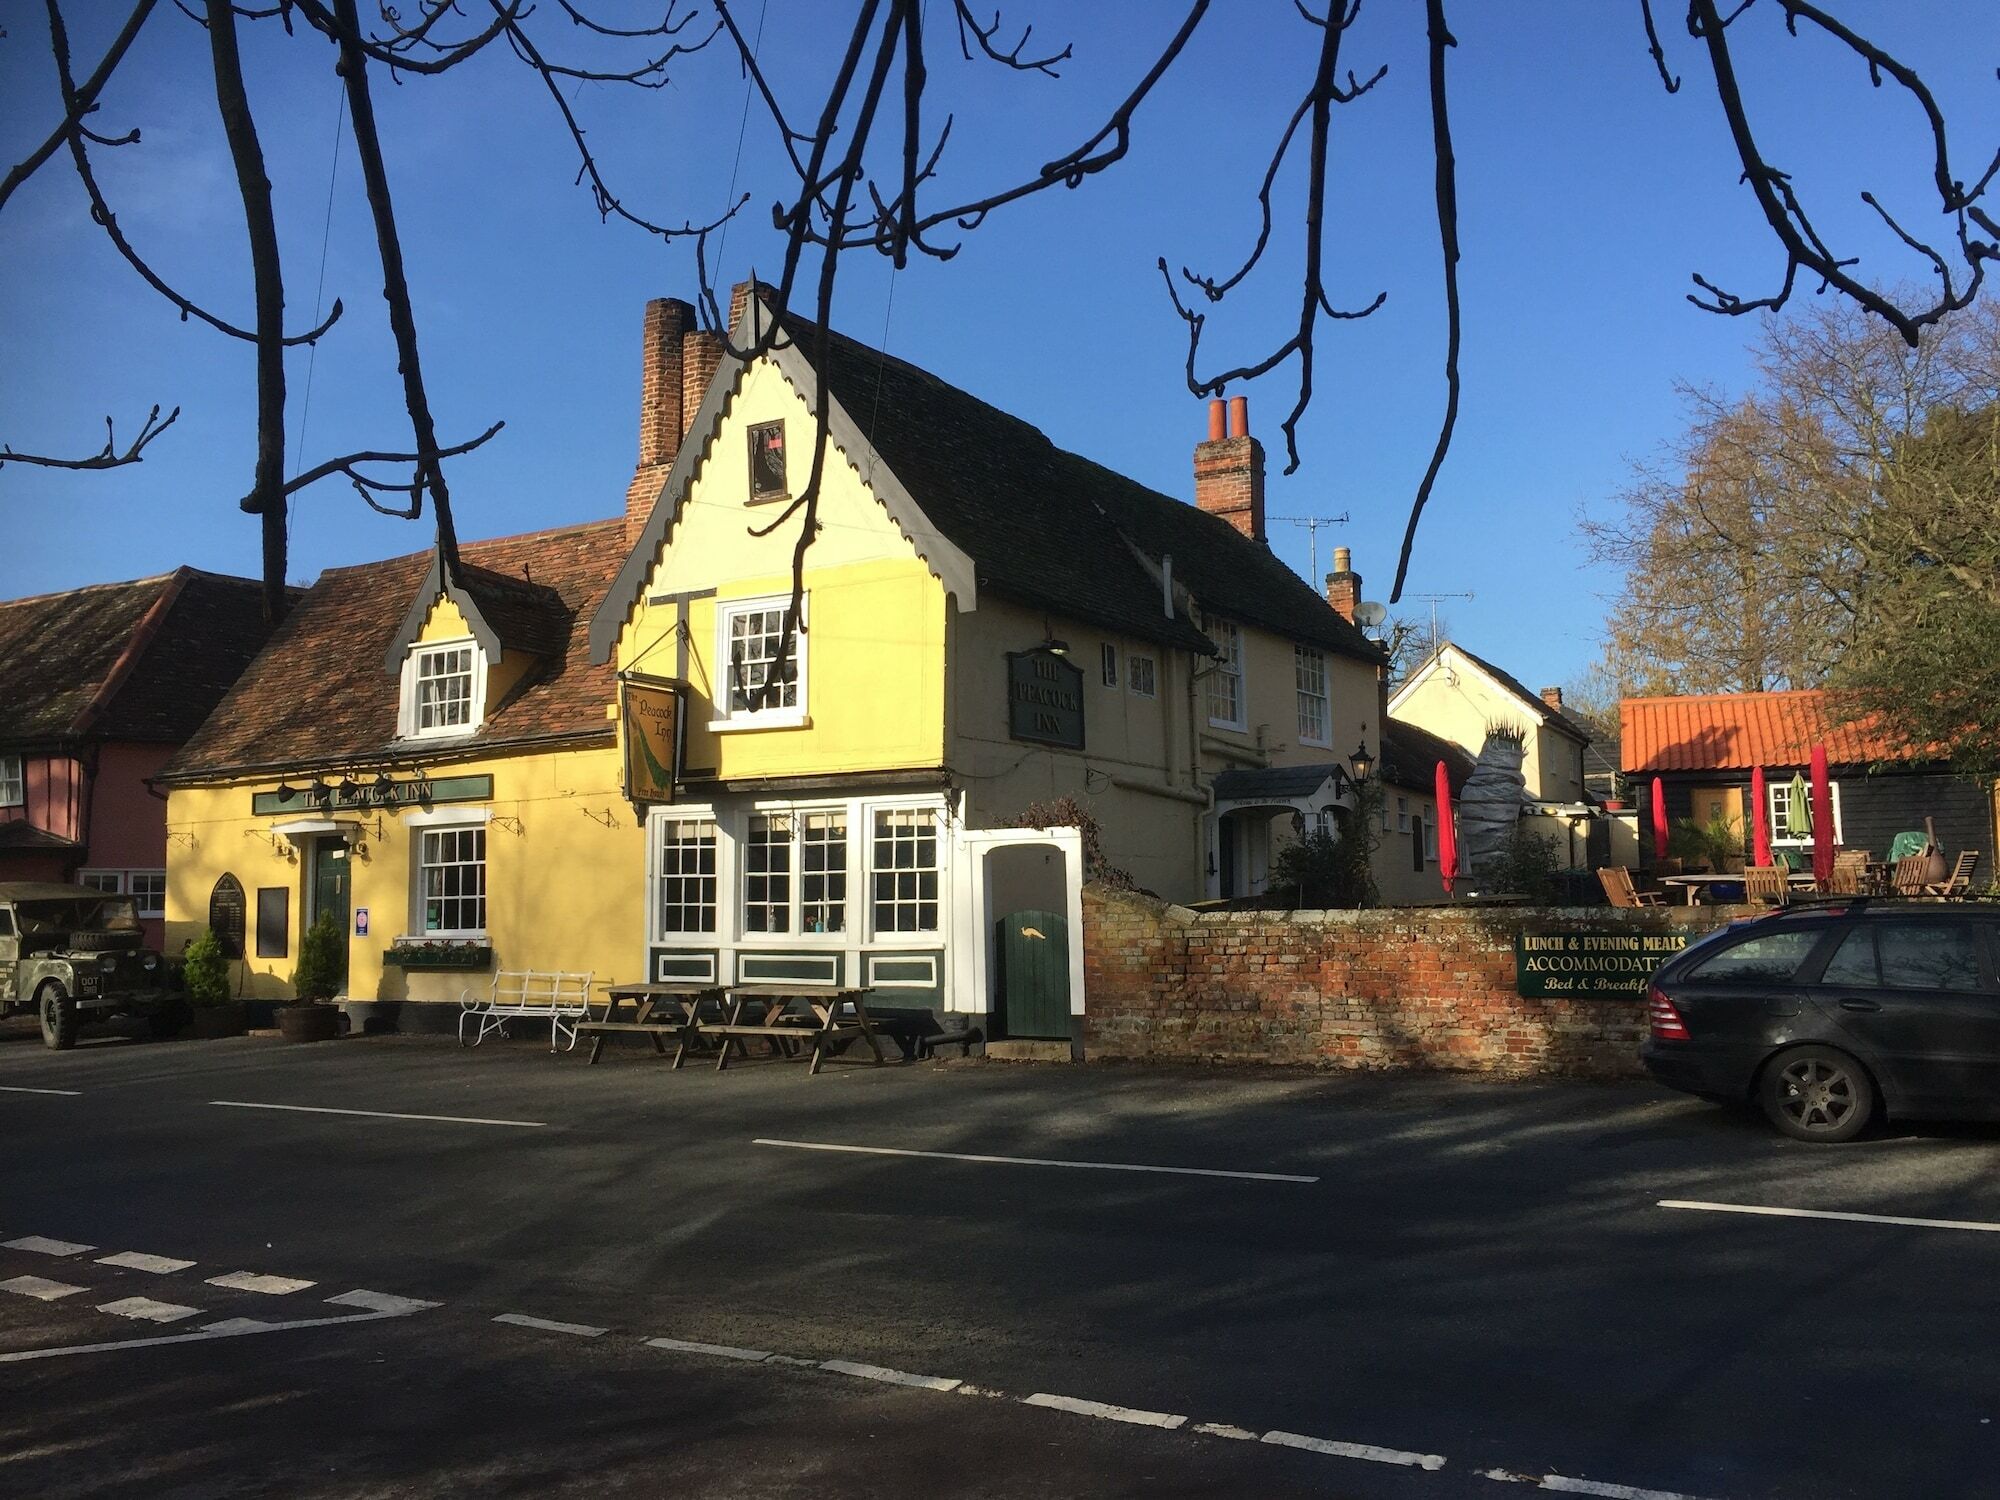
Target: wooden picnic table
(779, 1020)
(683, 1000)
(1694, 884)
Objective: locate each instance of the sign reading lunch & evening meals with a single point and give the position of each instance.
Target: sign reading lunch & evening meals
(1044, 699)
(649, 717)
(1557, 965)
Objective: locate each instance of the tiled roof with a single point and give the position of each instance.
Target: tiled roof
(145, 660)
(19, 833)
(1049, 528)
(1410, 756)
(1284, 783)
(319, 693)
(1736, 731)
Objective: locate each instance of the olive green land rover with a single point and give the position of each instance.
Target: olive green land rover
(76, 956)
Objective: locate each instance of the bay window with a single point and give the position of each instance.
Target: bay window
(686, 900)
(903, 869)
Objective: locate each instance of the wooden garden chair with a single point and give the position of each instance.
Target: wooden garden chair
(1770, 884)
(1959, 882)
(1908, 877)
(1620, 891)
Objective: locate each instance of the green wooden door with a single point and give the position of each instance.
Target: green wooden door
(332, 888)
(1034, 975)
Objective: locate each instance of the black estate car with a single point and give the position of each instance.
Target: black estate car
(1829, 1016)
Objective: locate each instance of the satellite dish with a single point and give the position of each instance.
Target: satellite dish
(1369, 614)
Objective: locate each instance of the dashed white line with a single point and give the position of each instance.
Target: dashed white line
(1561, 1484)
(1224, 1430)
(380, 1114)
(256, 1281)
(1032, 1161)
(136, 1260)
(6, 1088)
(721, 1351)
(228, 1328)
(1367, 1451)
(39, 1287)
(146, 1310)
(381, 1302)
(547, 1325)
(42, 1245)
(1109, 1413)
(888, 1376)
(1827, 1213)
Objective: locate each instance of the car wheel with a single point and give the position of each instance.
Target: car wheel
(1817, 1094)
(58, 1013)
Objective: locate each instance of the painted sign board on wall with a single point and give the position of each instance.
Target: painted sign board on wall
(1554, 964)
(1044, 699)
(649, 720)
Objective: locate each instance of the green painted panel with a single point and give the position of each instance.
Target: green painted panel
(763, 968)
(670, 964)
(1034, 975)
(365, 794)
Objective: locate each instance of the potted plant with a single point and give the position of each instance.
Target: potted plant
(205, 972)
(316, 980)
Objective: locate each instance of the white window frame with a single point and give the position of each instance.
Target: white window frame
(1779, 795)
(716, 889)
(407, 718)
(729, 719)
(1228, 669)
(1134, 661)
(421, 828)
(91, 880)
(1402, 815)
(940, 872)
(123, 883)
(1306, 660)
(1107, 661)
(13, 781)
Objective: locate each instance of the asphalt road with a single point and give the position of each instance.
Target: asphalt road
(1423, 1287)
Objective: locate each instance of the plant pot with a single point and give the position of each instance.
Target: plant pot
(212, 1021)
(309, 1023)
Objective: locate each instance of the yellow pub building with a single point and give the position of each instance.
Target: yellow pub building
(589, 750)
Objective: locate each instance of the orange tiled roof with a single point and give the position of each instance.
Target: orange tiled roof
(1735, 731)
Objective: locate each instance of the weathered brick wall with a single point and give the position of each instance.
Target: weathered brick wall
(1399, 988)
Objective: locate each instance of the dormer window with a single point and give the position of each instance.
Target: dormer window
(444, 689)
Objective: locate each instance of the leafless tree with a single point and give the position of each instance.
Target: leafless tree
(866, 162)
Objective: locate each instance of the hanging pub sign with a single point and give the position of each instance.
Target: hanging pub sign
(1557, 965)
(367, 793)
(649, 737)
(1044, 699)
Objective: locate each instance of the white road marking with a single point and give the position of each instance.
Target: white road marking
(1560, 1484)
(1033, 1161)
(1099, 1409)
(381, 1302)
(257, 1281)
(237, 1325)
(39, 1287)
(227, 1329)
(147, 1310)
(889, 1377)
(1224, 1430)
(792, 1359)
(380, 1114)
(1368, 1451)
(1827, 1213)
(6, 1088)
(724, 1351)
(136, 1260)
(522, 1320)
(41, 1245)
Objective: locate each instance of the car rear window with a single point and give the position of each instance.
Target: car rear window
(1929, 955)
(1853, 962)
(1773, 957)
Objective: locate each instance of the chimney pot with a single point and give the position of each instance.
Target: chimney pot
(1343, 559)
(1217, 431)
(1239, 416)
(1553, 696)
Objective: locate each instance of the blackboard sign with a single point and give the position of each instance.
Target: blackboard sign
(274, 904)
(225, 915)
(1551, 964)
(1044, 699)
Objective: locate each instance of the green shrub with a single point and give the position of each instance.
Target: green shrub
(205, 970)
(322, 964)
(1326, 871)
(1529, 867)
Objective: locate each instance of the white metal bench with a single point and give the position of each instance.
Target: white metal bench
(528, 994)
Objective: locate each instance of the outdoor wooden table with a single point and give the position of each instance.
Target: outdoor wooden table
(683, 999)
(1694, 884)
(777, 1022)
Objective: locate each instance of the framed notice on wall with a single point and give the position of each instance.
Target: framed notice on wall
(649, 737)
(274, 904)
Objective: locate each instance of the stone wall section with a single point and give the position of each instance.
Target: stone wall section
(1428, 988)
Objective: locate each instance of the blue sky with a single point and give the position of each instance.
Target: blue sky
(1587, 196)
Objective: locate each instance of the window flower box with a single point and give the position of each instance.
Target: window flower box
(415, 954)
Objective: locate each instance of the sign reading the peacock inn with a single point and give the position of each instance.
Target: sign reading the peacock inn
(1551, 965)
(649, 723)
(1044, 699)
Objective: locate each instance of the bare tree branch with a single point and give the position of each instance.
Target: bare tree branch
(107, 457)
(346, 463)
(82, 102)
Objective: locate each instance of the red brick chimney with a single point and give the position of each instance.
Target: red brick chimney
(1343, 584)
(661, 421)
(1553, 696)
(1229, 469)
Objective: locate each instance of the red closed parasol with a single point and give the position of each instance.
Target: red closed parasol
(1760, 819)
(1822, 818)
(1659, 820)
(1447, 831)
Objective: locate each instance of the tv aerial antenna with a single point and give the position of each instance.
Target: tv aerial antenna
(1312, 525)
(1432, 600)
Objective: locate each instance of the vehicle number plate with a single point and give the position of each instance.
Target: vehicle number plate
(87, 983)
